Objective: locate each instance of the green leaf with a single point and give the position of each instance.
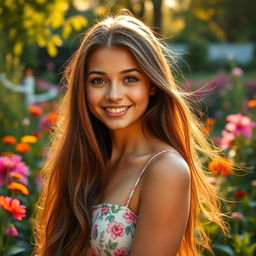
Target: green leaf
(224, 248)
(107, 253)
(110, 218)
(111, 245)
(14, 251)
(128, 230)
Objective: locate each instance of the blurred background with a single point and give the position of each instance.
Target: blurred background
(214, 45)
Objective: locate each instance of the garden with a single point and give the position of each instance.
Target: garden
(30, 72)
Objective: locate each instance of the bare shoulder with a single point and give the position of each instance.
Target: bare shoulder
(164, 206)
(168, 167)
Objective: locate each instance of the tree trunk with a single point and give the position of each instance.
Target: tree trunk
(157, 23)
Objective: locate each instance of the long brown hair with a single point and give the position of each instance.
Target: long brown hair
(81, 144)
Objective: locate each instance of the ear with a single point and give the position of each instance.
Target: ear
(152, 90)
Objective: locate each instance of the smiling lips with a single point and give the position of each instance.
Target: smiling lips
(116, 111)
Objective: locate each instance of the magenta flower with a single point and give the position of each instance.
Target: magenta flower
(120, 252)
(11, 230)
(240, 125)
(129, 216)
(13, 164)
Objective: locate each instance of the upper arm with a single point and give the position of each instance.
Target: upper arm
(164, 207)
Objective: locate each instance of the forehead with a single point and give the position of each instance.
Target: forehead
(111, 58)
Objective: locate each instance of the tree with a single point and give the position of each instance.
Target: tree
(35, 21)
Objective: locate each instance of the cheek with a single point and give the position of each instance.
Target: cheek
(141, 95)
(93, 97)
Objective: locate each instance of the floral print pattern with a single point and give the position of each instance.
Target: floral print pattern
(112, 230)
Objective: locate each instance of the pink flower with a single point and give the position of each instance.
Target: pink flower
(115, 229)
(93, 252)
(13, 206)
(104, 210)
(239, 124)
(226, 139)
(237, 71)
(120, 252)
(11, 230)
(237, 215)
(129, 216)
(13, 164)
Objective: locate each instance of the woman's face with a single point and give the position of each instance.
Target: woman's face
(117, 90)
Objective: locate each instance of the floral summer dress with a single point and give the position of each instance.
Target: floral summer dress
(113, 225)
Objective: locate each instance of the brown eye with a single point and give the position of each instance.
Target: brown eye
(97, 81)
(131, 79)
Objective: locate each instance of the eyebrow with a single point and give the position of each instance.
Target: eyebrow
(122, 72)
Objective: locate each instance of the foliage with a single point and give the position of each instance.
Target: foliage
(40, 22)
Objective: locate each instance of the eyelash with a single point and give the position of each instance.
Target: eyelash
(135, 79)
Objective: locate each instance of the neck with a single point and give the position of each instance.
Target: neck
(130, 141)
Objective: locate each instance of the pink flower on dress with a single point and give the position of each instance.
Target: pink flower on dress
(115, 229)
(120, 252)
(93, 252)
(129, 216)
(104, 210)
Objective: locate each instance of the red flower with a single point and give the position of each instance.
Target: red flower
(240, 193)
(13, 206)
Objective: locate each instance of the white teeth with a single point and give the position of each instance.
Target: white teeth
(116, 110)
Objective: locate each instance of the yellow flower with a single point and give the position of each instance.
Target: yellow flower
(29, 139)
(18, 186)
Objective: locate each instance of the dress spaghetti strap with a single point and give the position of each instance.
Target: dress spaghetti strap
(143, 170)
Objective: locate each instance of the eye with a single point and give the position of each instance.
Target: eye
(131, 79)
(97, 81)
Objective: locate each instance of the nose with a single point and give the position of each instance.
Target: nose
(114, 92)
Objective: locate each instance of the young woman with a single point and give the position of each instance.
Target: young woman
(124, 176)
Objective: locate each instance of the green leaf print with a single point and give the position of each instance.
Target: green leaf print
(128, 230)
(110, 218)
(111, 245)
(115, 210)
(107, 253)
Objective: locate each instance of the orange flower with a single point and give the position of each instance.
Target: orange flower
(37, 134)
(206, 130)
(35, 110)
(13, 206)
(29, 139)
(210, 121)
(52, 117)
(221, 165)
(18, 186)
(8, 139)
(251, 103)
(22, 147)
(7, 154)
(16, 175)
